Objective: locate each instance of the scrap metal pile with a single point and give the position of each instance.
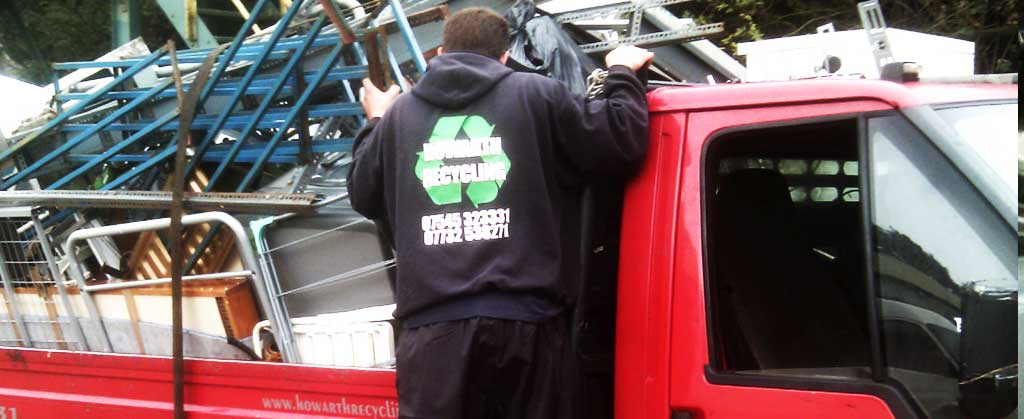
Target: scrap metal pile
(271, 126)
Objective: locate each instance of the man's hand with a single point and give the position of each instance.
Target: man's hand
(376, 102)
(629, 56)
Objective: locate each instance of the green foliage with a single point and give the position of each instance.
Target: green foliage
(36, 33)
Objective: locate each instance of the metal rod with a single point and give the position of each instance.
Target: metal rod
(79, 277)
(319, 234)
(15, 313)
(78, 139)
(407, 35)
(296, 109)
(58, 279)
(227, 87)
(268, 99)
(164, 281)
(63, 116)
(260, 203)
(271, 119)
(346, 276)
(284, 153)
(254, 68)
(393, 62)
(174, 235)
(116, 148)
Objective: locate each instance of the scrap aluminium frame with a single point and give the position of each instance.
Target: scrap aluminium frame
(27, 262)
(248, 258)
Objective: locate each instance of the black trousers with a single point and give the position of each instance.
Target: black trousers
(485, 368)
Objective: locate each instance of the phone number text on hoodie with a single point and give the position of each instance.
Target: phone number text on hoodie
(468, 226)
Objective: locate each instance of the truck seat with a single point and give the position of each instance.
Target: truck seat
(777, 302)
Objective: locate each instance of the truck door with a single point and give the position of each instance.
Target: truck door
(841, 253)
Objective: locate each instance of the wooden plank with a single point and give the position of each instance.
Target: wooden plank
(10, 316)
(151, 259)
(133, 316)
(241, 311)
(50, 306)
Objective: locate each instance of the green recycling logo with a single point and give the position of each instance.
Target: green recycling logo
(475, 160)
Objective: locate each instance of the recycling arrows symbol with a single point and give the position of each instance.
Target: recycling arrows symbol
(479, 192)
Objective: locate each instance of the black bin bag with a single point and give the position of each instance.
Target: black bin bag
(539, 45)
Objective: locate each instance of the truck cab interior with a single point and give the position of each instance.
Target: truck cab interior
(784, 246)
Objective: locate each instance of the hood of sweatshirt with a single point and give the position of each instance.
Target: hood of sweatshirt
(456, 79)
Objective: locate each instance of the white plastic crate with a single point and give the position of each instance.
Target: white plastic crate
(358, 338)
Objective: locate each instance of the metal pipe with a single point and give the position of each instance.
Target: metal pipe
(90, 304)
(285, 336)
(58, 279)
(162, 281)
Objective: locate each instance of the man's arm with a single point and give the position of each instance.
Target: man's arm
(608, 137)
(365, 181)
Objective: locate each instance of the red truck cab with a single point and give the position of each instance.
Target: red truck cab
(807, 249)
(819, 248)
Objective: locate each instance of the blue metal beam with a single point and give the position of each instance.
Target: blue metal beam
(296, 108)
(78, 139)
(116, 148)
(271, 119)
(254, 68)
(63, 116)
(284, 153)
(227, 87)
(407, 35)
(162, 121)
(269, 99)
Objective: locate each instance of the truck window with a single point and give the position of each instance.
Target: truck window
(785, 270)
(945, 263)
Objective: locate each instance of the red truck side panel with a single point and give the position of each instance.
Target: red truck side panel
(52, 384)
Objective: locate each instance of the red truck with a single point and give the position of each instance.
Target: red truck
(809, 249)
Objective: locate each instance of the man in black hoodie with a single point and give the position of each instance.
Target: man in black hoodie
(469, 173)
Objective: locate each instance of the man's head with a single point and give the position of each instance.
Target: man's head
(478, 30)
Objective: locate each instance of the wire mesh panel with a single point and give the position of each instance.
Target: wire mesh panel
(34, 310)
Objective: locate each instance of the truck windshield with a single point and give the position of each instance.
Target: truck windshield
(991, 130)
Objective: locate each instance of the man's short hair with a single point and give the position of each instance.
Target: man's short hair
(477, 29)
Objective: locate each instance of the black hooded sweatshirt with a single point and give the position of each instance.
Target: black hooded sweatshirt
(470, 171)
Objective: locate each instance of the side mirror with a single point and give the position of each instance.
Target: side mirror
(990, 396)
(988, 349)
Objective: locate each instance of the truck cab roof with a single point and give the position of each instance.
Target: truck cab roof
(899, 95)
